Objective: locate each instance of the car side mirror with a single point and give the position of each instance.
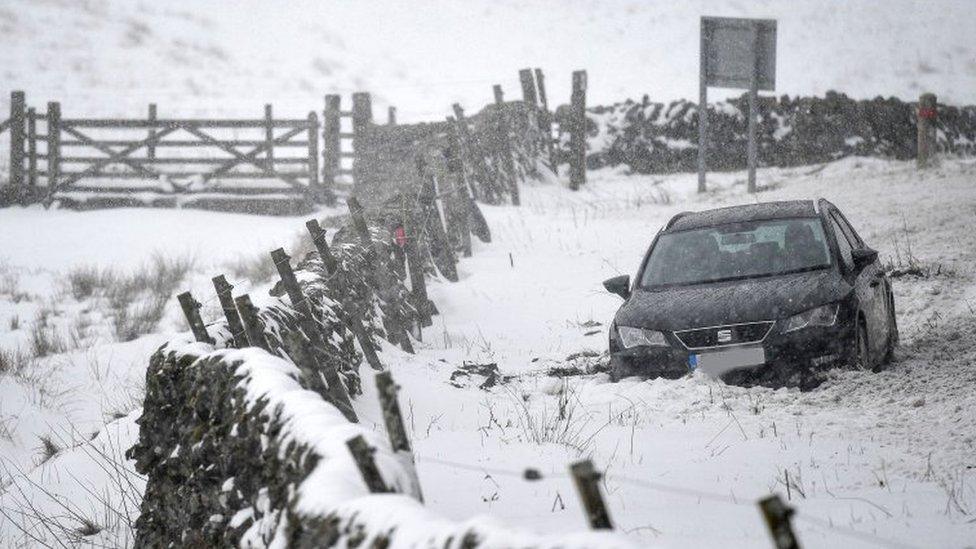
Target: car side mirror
(863, 257)
(619, 285)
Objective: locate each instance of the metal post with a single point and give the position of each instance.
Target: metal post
(927, 112)
(702, 108)
(753, 110)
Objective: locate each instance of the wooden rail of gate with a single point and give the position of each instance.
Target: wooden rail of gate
(51, 154)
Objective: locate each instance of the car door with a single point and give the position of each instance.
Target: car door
(868, 283)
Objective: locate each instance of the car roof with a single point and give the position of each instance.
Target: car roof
(745, 212)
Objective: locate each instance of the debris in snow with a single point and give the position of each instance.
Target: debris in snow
(484, 375)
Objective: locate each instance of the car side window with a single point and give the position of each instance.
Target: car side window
(843, 243)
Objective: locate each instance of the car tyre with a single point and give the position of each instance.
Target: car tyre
(860, 353)
(893, 336)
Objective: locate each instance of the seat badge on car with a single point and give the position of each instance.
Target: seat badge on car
(724, 336)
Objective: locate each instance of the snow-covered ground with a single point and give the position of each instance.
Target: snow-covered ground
(871, 458)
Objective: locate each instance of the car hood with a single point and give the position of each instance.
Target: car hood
(715, 304)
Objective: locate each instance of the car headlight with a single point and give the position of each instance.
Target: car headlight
(820, 316)
(633, 337)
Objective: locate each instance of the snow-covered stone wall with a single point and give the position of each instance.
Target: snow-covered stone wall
(659, 138)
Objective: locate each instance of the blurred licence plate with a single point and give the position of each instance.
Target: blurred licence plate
(719, 362)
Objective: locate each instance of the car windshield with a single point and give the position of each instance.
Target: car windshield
(737, 250)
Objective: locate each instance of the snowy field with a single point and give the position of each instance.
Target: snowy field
(872, 459)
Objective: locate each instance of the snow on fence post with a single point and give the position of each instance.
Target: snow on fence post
(18, 104)
(253, 326)
(587, 481)
(353, 320)
(528, 87)
(331, 141)
(927, 113)
(191, 310)
(224, 291)
(503, 149)
(397, 328)
(362, 455)
(393, 418)
(577, 129)
(53, 148)
(545, 118)
(301, 351)
(777, 516)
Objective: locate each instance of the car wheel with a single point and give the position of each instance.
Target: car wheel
(620, 369)
(860, 354)
(892, 332)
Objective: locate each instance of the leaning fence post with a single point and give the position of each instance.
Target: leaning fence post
(353, 321)
(53, 148)
(395, 429)
(437, 241)
(302, 352)
(191, 309)
(17, 114)
(253, 326)
(362, 455)
(777, 516)
(587, 481)
(927, 113)
(528, 87)
(331, 141)
(455, 173)
(504, 150)
(577, 137)
(415, 264)
(224, 295)
(545, 119)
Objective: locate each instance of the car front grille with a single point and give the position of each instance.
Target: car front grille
(720, 336)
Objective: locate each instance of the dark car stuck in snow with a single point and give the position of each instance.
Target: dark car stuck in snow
(754, 294)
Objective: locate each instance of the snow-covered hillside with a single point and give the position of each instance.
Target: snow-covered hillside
(210, 57)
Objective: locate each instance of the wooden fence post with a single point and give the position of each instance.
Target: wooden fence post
(472, 150)
(269, 137)
(777, 516)
(362, 455)
(362, 117)
(253, 326)
(459, 190)
(322, 377)
(151, 146)
(53, 148)
(437, 241)
(503, 149)
(391, 116)
(381, 277)
(314, 184)
(927, 113)
(191, 310)
(31, 151)
(225, 296)
(395, 429)
(354, 320)
(587, 481)
(18, 105)
(499, 94)
(577, 138)
(331, 142)
(545, 119)
(415, 264)
(528, 87)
